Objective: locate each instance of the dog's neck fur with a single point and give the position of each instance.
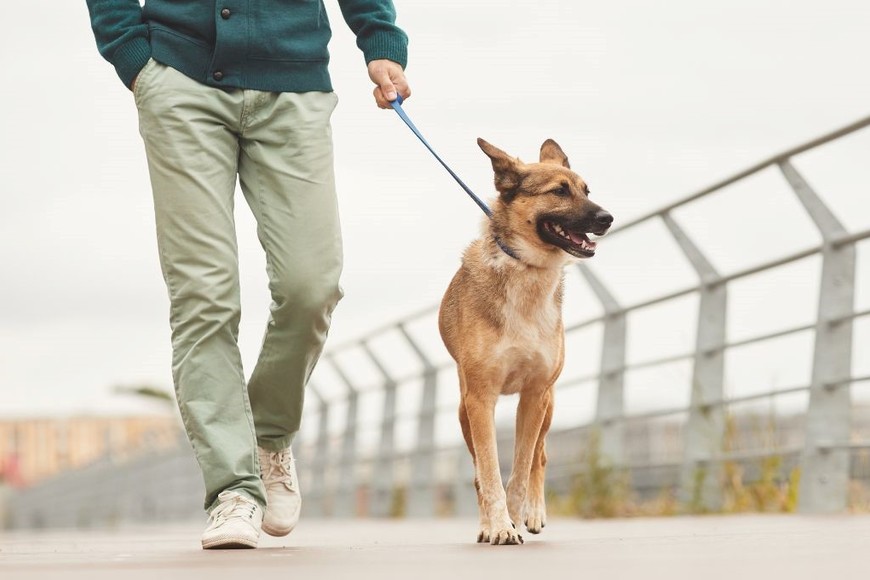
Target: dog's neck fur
(527, 289)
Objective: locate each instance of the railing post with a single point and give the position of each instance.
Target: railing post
(422, 488)
(700, 478)
(318, 489)
(610, 407)
(383, 479)
(825, 458)
(345, 501)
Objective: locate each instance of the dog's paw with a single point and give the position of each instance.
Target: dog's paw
(535, 523)
(505, 537)
(483, 535)
(536, 517)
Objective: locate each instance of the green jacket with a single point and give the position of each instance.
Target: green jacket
(268, 45)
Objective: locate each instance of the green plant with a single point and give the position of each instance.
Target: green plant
(598, 490)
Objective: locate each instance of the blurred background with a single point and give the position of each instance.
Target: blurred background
(676, 396)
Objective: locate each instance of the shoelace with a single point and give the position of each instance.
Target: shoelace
(278, 469)
(236, 508)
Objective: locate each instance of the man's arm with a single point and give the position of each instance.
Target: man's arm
(384, 45)
(122, 36)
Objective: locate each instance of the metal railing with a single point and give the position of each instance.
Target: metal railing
(348, 478)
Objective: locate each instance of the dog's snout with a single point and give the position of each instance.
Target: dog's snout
(603, 218)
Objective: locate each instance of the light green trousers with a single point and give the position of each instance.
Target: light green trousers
(198, 139)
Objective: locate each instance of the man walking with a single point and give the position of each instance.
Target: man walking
(233, 88)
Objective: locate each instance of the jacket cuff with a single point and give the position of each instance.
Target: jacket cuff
(130, 57)
(389, 45)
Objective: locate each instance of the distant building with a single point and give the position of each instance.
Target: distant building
(36, 448)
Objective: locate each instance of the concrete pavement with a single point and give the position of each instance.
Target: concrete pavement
(712, 547)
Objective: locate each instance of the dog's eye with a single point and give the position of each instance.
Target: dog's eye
(563, 191)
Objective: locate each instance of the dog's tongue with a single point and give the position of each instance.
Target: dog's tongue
(580, 239)
(576, 238)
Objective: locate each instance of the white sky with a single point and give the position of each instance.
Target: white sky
(651, 101)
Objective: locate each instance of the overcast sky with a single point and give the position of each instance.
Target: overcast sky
(651, 101)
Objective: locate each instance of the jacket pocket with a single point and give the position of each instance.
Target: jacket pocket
(288, 30)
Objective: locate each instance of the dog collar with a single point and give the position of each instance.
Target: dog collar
(505, 248)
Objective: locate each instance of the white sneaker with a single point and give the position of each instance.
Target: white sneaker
(233, 523)
(283, 498)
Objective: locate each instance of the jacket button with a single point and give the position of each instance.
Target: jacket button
(225, 13)
(218, 75)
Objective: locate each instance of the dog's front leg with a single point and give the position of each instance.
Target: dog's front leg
(480, 407)
(531, 413)
(483, 530)
(535, 510)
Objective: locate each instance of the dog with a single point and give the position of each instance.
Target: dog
(501, 321)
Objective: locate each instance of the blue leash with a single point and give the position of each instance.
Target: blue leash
(397, 105)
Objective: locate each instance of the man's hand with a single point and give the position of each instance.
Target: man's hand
(390, 80)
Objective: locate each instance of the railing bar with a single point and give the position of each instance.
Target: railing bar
(724, 279)
(765, 395)
(394, 324)
(658, 361)
(769, 336)
(852, 316)
(849, 238)
(578, 380)
(726, 346)
(860, 124)
(686, 356)
(665, 298)
(758, 453)
(729, 401)
(585, 323)
(755, 454)
(647, 465)
(419, 374)
(771, 264)
(652, 414)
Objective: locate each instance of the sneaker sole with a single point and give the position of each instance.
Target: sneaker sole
(229, 544)
(278, 532)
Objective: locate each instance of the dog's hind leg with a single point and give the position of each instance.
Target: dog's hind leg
(483, 533)
(531, 412)
(480, 407)
(535, 510)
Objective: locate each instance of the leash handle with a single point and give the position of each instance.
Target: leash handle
(397, 106)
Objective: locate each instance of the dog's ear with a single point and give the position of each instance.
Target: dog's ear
(506, 168)
(552, 153)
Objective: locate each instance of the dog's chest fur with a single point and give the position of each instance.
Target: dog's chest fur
(528, 348)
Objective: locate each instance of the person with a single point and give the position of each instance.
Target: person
(228, 90)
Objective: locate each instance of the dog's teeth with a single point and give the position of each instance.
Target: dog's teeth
(558, 229)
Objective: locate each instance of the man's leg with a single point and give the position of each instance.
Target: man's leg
(286, 173)
(190, 138)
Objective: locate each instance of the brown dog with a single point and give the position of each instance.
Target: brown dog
(501, 320)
